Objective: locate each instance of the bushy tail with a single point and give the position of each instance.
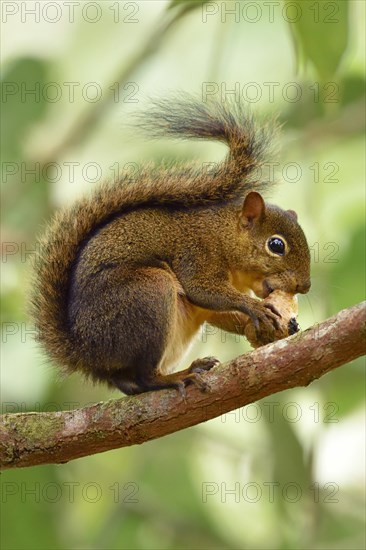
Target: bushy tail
(184, 117)
(187, 117)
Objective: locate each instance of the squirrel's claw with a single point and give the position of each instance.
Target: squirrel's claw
(203, 365)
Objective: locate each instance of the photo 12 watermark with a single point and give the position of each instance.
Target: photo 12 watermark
(270, 12)
(69, 491)
(271, 91)
(269, 491)
(69, 92)
(29, 11)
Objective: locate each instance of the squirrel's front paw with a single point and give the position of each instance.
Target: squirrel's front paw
(266, 320)
(277, 301)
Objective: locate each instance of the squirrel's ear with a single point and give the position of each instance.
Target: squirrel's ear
(292, 214)
(253, 208)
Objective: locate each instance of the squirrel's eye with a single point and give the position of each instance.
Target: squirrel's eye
(276, 245)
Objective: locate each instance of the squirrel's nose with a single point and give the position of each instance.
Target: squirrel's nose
(304, 287)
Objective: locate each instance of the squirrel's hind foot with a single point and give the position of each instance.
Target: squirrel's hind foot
(202, 365)
(178, 380)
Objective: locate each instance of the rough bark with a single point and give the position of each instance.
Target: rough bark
(29, 439)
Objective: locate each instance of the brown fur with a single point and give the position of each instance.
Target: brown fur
(127, 276)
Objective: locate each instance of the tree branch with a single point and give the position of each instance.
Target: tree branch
(31, 438)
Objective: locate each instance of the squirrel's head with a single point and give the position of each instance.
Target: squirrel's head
(279, 252)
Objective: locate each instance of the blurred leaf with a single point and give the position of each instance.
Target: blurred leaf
(320, 33)
(25, 503)
(22, 101)
(292, 468)
(174, 450)
(353, 88)
(295, 117)
(344, 391)
(350, 268)
(336, 528)
(186, 5)
(316, 98)
(288, 459)
(24, 85)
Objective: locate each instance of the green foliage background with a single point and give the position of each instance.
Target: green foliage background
(155, 495)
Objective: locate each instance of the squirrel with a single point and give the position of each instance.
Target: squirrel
(126, 277)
